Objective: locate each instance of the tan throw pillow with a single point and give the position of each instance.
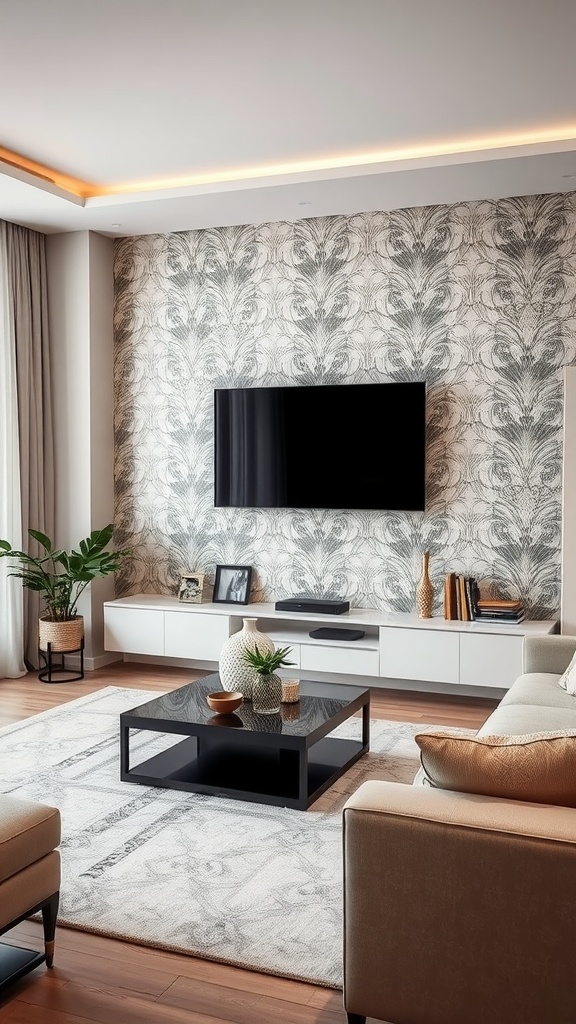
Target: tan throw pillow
(568, 680)
(539, 767)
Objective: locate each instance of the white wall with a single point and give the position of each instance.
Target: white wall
(80, 299)
(101, 286)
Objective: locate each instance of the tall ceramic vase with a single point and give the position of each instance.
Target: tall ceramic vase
(235, 674)
(425, 590)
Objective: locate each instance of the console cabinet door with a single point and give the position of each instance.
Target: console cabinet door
(347, 660)
(489, 659)
(199, 637)
(134, 630)
(424, 654)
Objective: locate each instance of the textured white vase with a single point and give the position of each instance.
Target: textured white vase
(235, 674)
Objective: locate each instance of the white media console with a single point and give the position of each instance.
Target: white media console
(396, 647)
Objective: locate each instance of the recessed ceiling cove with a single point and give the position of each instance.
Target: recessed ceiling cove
(123, 98)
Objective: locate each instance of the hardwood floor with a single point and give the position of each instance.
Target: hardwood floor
(105, 981)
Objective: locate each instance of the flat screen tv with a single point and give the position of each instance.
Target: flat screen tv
(345, 446)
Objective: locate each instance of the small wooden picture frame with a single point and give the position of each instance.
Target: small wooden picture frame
(232, 584)
(191, 587)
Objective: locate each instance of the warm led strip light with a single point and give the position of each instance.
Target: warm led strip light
(406, 153)
(64, 181)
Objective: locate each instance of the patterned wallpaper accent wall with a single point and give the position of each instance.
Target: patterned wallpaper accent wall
(478, 299)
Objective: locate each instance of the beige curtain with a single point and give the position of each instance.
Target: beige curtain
(11, 603)
(27, 286)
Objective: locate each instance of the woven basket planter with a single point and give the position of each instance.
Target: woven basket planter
(64, 636)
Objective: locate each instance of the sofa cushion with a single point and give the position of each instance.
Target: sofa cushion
(29, 887)
(519, 719)
(539, 767)
(28, 831)
(539, 688)
(568, 678)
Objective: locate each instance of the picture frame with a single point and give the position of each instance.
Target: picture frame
(232, 584)
(191, 587)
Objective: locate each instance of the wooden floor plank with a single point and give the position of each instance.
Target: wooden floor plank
(105, 981)
(24, 1013)
(244, 1007)
(119, 974)
(111, 1007)
(144, 959)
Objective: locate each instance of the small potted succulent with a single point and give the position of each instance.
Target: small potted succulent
(267, 690)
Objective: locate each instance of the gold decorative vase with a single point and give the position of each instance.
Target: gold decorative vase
(425, 590)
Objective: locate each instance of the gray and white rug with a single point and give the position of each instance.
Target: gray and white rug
(241, 883)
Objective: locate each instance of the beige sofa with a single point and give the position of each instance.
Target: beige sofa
(461, 909)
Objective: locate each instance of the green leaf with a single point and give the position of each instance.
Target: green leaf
(265, 663)
(32, 584)
(42, 539)
(100, 538)
(61, 576)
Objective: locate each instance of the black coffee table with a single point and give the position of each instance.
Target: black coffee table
(286, 759)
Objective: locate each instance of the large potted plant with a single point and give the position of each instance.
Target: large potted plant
(60, 577)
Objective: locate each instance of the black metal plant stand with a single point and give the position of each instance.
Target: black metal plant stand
(50, 665)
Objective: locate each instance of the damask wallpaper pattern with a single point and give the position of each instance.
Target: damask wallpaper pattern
(478, 299)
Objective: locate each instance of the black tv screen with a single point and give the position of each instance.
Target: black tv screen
(345, 446)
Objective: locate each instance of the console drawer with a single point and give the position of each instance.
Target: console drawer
(490, 659)
(199, 637)
(134, 630)
(428, 655)
(339, 659)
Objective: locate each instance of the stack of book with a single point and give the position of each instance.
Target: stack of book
(461, 596)
(462, 601)
(500, 611)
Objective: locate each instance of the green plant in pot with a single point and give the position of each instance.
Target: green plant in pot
(267, 690)
(60, 577)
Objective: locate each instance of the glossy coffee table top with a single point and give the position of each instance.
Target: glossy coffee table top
(319, 703)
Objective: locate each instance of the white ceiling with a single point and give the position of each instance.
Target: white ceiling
(389, 102)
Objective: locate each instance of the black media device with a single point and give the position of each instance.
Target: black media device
(319, 606)
(343, 446)
(327, 633)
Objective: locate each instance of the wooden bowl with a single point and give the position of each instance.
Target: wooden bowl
(224, 702)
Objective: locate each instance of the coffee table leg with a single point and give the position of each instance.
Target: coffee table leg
(124, 751)
(294, 765)
(303, 778)
(366, 725)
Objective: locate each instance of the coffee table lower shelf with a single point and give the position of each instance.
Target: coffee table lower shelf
(15, 962)
(285, 777)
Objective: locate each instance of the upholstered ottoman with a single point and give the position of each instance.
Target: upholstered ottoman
(29, 879)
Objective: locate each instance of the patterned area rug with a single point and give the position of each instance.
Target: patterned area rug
(241, 883)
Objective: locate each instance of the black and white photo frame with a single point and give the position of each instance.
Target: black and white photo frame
(232, 584)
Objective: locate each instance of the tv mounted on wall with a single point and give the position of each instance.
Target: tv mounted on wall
(345, 446)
